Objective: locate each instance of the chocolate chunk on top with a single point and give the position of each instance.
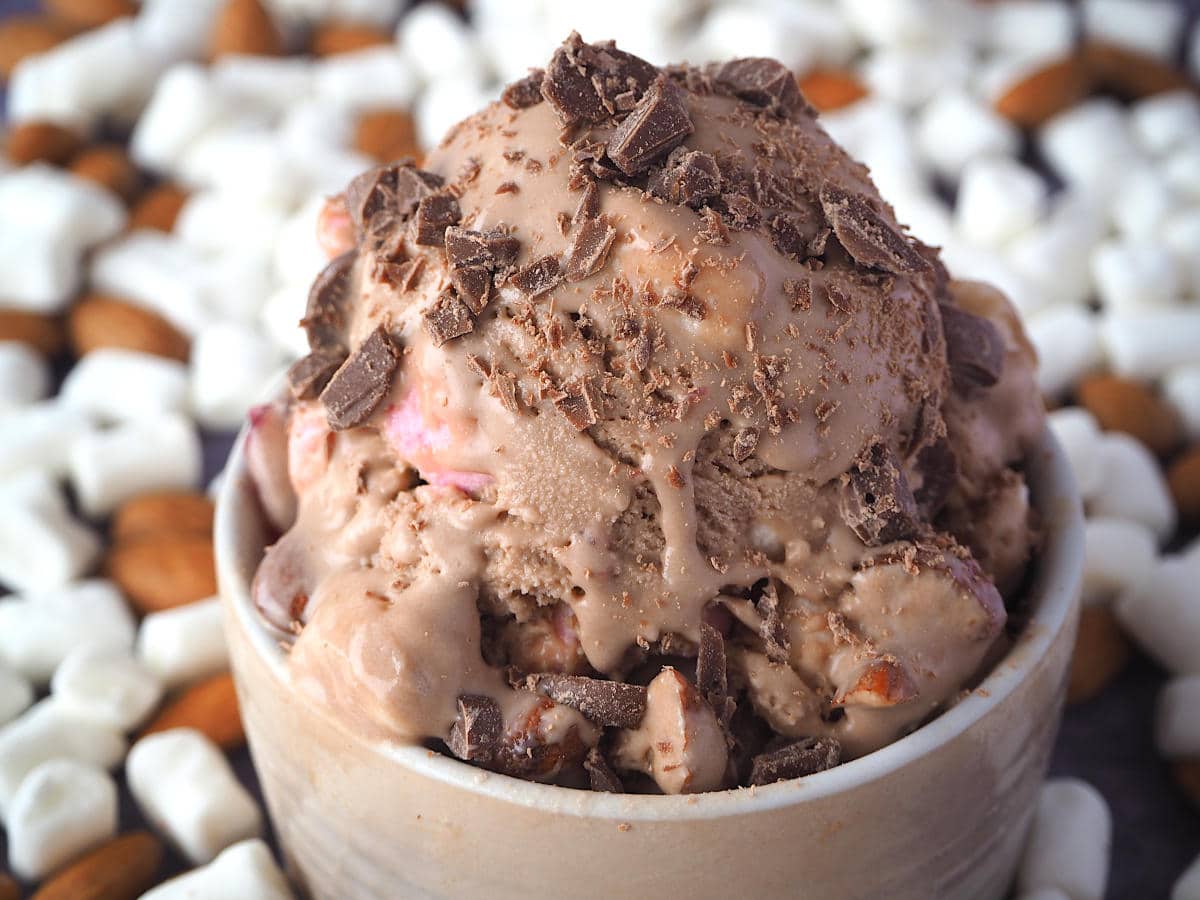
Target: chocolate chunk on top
(764, 82)
(447, 318)
(600, 773)
(689, 177)
(325, 316)
(524, 92)
(475, 734)
(590, 82)
(492, 249)
(805, 757)
(867, 236)
(876, 501)
(538, 277)
(308, 375)
(658, 124)
(436, 213)
(603, 702)
(385, 194)
(974, 347)
(578, 403)
(589, 249)
(361, 382)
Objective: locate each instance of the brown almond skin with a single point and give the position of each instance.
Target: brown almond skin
(830, 89)
(100, 321)
(1045, 92)
(109, 166)
(41, 142)
(1130, 74)
(1120, 404)
(1183, 478)
(1101, 654)
(44, 333)
(387, 135)
(163, 571)
(332, 38)
(158, 208)
(22, 36)
(8, 888)
(123, 869)
(244, 27)
(163, 512)
(209, 706)
(89, 13)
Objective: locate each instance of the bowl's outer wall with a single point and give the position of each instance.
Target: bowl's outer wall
(942, 813)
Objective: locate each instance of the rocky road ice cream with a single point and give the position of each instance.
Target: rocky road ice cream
(639, 447)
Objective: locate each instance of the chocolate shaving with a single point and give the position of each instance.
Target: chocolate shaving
(308, 375)
(866, 235)
(876, 501)
(689, 177)
(504, 387)
(603, 702)
(524, 92)
(805, 757)
(657, 125)
(325, 316)
(589, 249)
(538, 277)
(600, 774)
(686, 303)
(974, 348)
(589, 204)
(475, 734)
(763, 82)
(361, 382)
(774, 635)
(447, 318)
(578, 403)
(798, 292)
(436, 213)
(745, 442)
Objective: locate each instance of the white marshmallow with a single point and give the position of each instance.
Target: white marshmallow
(828, 37)
(1188, 885)
(297, 255)
(185, 105)
(1152, 343)
(924, 214)
(1034, 29)
(107, 686)
(61, 810)
(329, 172)
(1148, 26)
(381, 13)
(910, 76)
(248, 160)
(1181, 387)
(32, 488)
(748, 29)
(877, 133)
(997, 200)
(1177, 724)
(109, 467)
(1134, 276)
(16, 694)
(116, 385)
(176, 29)
(38, 631)
(1118, 555)
(1068, 343)
(47, 732)
(280, 318)
(375, 77)
(1133, 486)
(1141, 202)
(157, 271)
(437, 42)
(245, 869)
(238, 284)
(1181, 169)
(272, 84)
(40, 436)
(1163, 614)
(184, 644)
(1054, 255)
(24, 375)
(38, 275)
(1078, 433)
(444, 104)
(223, 221)
(1070, 842)
(511, 41)
(1180, 234)
(185, 786)
(909, 22)
(44, 548)
(968, 260)
(956, 128)
(316, 126)
(1163, 121)
(1089, 144)
(232, 365)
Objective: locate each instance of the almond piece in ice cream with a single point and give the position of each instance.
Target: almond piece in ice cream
(210, 707)
(100, 321)
(162, 571)
(122, 869)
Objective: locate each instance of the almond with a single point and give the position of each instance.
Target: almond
(1187, 775)
(1101, 652)
(22, 36)
(162, 571)
(830, 89)
(1183, 477)
(244, 27)
(109, 166)
(1130, 74)
(90, 13)
(163, 512)
(1045, 92)
(209, 706)
(101, 321)
(44, 333)
(387, 135)
(1120, 404)
(123, 869)
(158, 208)
(8, 888)
(41, 142)
(331, 38)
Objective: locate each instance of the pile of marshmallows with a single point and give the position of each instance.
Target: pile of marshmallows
(182, 303)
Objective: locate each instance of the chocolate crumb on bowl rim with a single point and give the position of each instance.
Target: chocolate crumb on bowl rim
(1051, 603)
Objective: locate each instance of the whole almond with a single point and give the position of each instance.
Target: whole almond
(158, 208)
(44, 333)
(244, 27)
(90, 13)
(332, 38)
(1187, 775)
(830, 89)
(100, 321)
(22, 36)
(123, 869)
(162, 571)
(109, 166)
(1045, 92)
(1183, 477)
(1120, 404)
(163, 512)
(387, 135)
(1131, 74)
(1101, 653)
(41, 142)
(8, 888)
(209, 706)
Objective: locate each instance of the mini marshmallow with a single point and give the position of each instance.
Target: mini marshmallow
(970, 261)
(40, 436)
(248, 159)
(185, 786)
(1148, 26)
(1068, 343)
(380, 13)
(263, 82)
(1054, 255)
(749, 29)
(1163, 615)
(231, 367)
(38, 275)
(184, 644)
(1180, 234)
(107, 686)
(315, 126)
(1070, 842)
(1181, 169)
(109, 467)
(1078, 433)
(328, 172)
(437, 42)
(1133, 486)
(1162, 122)
(443, 104)
(956, 128)
(1152, 343)
(1188, 885)
(1177, 724)
(828, 38)
(238, 284)
(297, 255)
(375, 77)
(1118, 554)
(1089, 144)
(16, 695)
(910, 22)
(925, 216)
(223, 221)
(1033, 29)
(1134, 276)
(1141, 202)
(245, 869)
(24, 375)
(280, 318)
(47, 732)
(115, 385)
(157, 271)
(176, 29)
(997, 200)
(33, 488)
(1181, 387)
(185, 105)
(910, 76)
(44, 548)
(62, 809)
(38, 631)
(878, 133)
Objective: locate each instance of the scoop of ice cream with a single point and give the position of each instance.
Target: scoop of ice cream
(638, 382)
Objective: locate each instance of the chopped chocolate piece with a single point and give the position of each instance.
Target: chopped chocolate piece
(601, 774)
(764, 82)
(361, 382)
(325, 317)
(774, 635)
(974, 348)
(412, 184)
(590, 82)
(805, 757)
(603, 702)
(308, 375)
(714, 230)
(788, 237)
(589, 204)
(538, 277)
(876, 500)
(387, 193)
(657, 125)
(799, 292)
(686, 303)
(578, 403)
(504, 386)
(493, 249)
(867, 236)
(474, 286)
(710, 663)
(568, 88)
(938, 465)
(689, 177)
(745, 442)
(479, 366)
(589, 249)
(475, 734)
(524, 92)
(448, 318)
(436, 213)
(741, 212)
